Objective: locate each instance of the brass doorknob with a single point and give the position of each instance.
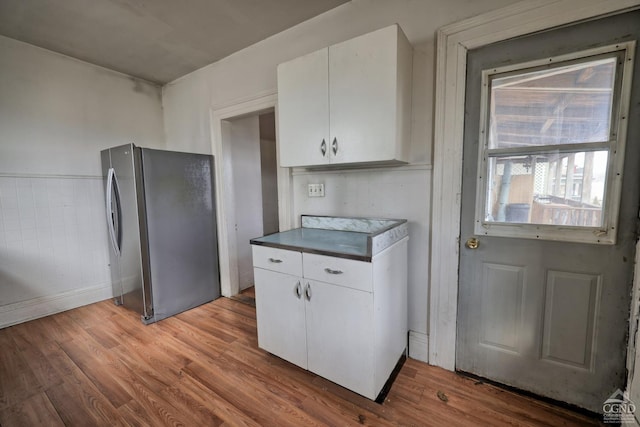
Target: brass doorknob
(473, 243)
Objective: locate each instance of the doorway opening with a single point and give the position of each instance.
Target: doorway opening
(229, 126)
(250, 142)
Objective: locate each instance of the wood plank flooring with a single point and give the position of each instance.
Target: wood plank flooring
(98, 365)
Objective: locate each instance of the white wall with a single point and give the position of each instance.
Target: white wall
(400, 192)
(56, 114)
(381, 193)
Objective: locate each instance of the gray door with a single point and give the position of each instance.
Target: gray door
(550, 195)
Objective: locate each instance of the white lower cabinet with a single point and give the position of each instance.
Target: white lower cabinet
(281, 314)
(340, 336)
(342, 319)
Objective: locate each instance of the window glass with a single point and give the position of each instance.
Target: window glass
(550, 188)
(564, 105)
(551, 146)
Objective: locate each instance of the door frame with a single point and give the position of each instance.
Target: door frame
(453, 42)
(225, 209)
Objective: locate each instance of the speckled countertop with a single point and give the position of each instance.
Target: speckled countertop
(352, 238)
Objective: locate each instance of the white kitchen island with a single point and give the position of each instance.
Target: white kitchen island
(334, 301)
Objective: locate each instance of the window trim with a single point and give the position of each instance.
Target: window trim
(607, 233)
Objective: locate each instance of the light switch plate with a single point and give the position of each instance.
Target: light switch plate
(316, 190)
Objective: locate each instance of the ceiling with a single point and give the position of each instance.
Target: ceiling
(156, 40)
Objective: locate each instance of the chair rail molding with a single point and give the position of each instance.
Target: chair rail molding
(453, 42)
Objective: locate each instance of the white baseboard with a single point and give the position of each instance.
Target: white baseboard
(23, 311)
(419, 346)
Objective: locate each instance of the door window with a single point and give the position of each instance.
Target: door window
(552, 146)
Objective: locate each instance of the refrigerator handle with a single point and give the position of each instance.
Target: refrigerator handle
(111, 179)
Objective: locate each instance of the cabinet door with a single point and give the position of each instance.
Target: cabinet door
(280, 313)
(363, 96)
(340, 335)
(303, 110)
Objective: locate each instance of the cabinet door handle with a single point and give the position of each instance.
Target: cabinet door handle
(323, 147)
(330, 271)
(298, 290)
(275, 261)
(334, 146)
(307, 292)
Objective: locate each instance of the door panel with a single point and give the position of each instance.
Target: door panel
(340, 328)
(501, 301)
(547, 316)
(303, 104)
(280, 309)
(363, 68)
(568, 335)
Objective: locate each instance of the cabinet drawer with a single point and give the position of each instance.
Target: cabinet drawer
(339, 271)
(280, 260)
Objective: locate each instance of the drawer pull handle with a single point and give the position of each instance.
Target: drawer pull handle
(275, 261)
(330, 271)
(298, 290)
(307, 292)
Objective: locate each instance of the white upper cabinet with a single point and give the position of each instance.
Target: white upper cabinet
(303, 110)
(348, 103)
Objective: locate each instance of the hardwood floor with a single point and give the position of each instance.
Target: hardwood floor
(98, 365)
(247, 296)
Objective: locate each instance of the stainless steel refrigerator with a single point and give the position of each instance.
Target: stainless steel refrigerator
(160, 210)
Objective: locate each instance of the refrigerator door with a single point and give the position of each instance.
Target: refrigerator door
(113, 216)
(181, 230)
(127, 228)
